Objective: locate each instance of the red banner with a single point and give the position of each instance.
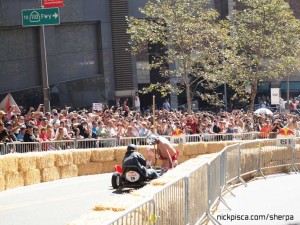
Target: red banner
(53, 3)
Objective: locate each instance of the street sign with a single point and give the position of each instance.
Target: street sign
(39, 17)
(53, 3)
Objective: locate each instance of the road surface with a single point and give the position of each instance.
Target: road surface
(54, 203)
(274, 201)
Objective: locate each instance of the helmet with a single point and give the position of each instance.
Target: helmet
(131, 147)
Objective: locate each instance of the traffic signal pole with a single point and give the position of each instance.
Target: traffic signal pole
(46, 90)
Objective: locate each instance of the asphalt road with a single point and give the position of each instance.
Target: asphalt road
(54, 203)
(274, 201)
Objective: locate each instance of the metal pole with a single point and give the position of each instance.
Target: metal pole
(287, 106)
(225, 96)
(153, 112)
(46, 91)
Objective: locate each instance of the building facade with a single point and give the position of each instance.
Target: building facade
(86, 54)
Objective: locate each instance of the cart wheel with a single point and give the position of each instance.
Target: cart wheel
(116, 180)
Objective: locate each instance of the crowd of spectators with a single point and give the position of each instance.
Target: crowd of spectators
(119, 121)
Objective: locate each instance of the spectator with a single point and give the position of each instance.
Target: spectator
(21, 133)
(77, 135)
(29, 135)
(43, 134)
(3, 133)
(137, 104)
(95, 129)
(266, 129)
(50, 132)
(85, 131)
(103, 132)
(166, 105)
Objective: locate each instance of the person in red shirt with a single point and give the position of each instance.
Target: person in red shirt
(266, 129)
(191, 125)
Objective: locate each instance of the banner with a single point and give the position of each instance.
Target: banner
(97, 106)
(275, 96)
(53, 3)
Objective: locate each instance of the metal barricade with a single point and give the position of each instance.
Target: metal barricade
(87, 143)
(250, 156)
(2, 149)
(22, 147)
(125, 141)
(273, 155)
(214, 190)
(143, 213)
(107, 142)
(197, 194)
(214, 137)
(170, 203)
(57, 145)
(297, 153)
(223, 165)
(233, 162)
(250, 135)
(193, 138)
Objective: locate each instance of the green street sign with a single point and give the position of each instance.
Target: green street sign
(39, 17)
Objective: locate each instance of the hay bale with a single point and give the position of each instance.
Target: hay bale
(105, 208)
(63, 158)
(180, 148)
(95, 217)
(68, 171)
(197, 148)
(1, 167)
(103, 155)
(266, 157)
(32, 176)
(108, 167)
(26, 162)
(119, 153)
(13, 180)
(9, 163)
(183, 158)
(44, 160)
(213, 147)
(143, 150)
(2, 182)
(81, 156)
(119, 202)
(89, 168)
(49, 174)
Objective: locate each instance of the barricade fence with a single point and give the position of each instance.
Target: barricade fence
(23, 147)
(190, 199)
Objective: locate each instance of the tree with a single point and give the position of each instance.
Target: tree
(266, 37)
(192, 38)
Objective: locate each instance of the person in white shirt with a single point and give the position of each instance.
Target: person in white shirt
(137, 104)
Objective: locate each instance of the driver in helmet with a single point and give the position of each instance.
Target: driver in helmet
(134, 158)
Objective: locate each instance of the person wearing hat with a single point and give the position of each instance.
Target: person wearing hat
(85, 130)
(11, 130)
(21, 133)
(134, 158)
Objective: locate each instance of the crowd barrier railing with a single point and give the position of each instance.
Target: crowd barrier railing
(23, 147)
(190, 199)
(143, 213)
(170, 203)
(2, 149)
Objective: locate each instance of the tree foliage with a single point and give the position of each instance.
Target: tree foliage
(193, 38)
(265, 37)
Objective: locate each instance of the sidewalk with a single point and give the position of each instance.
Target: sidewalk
(274, 201)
